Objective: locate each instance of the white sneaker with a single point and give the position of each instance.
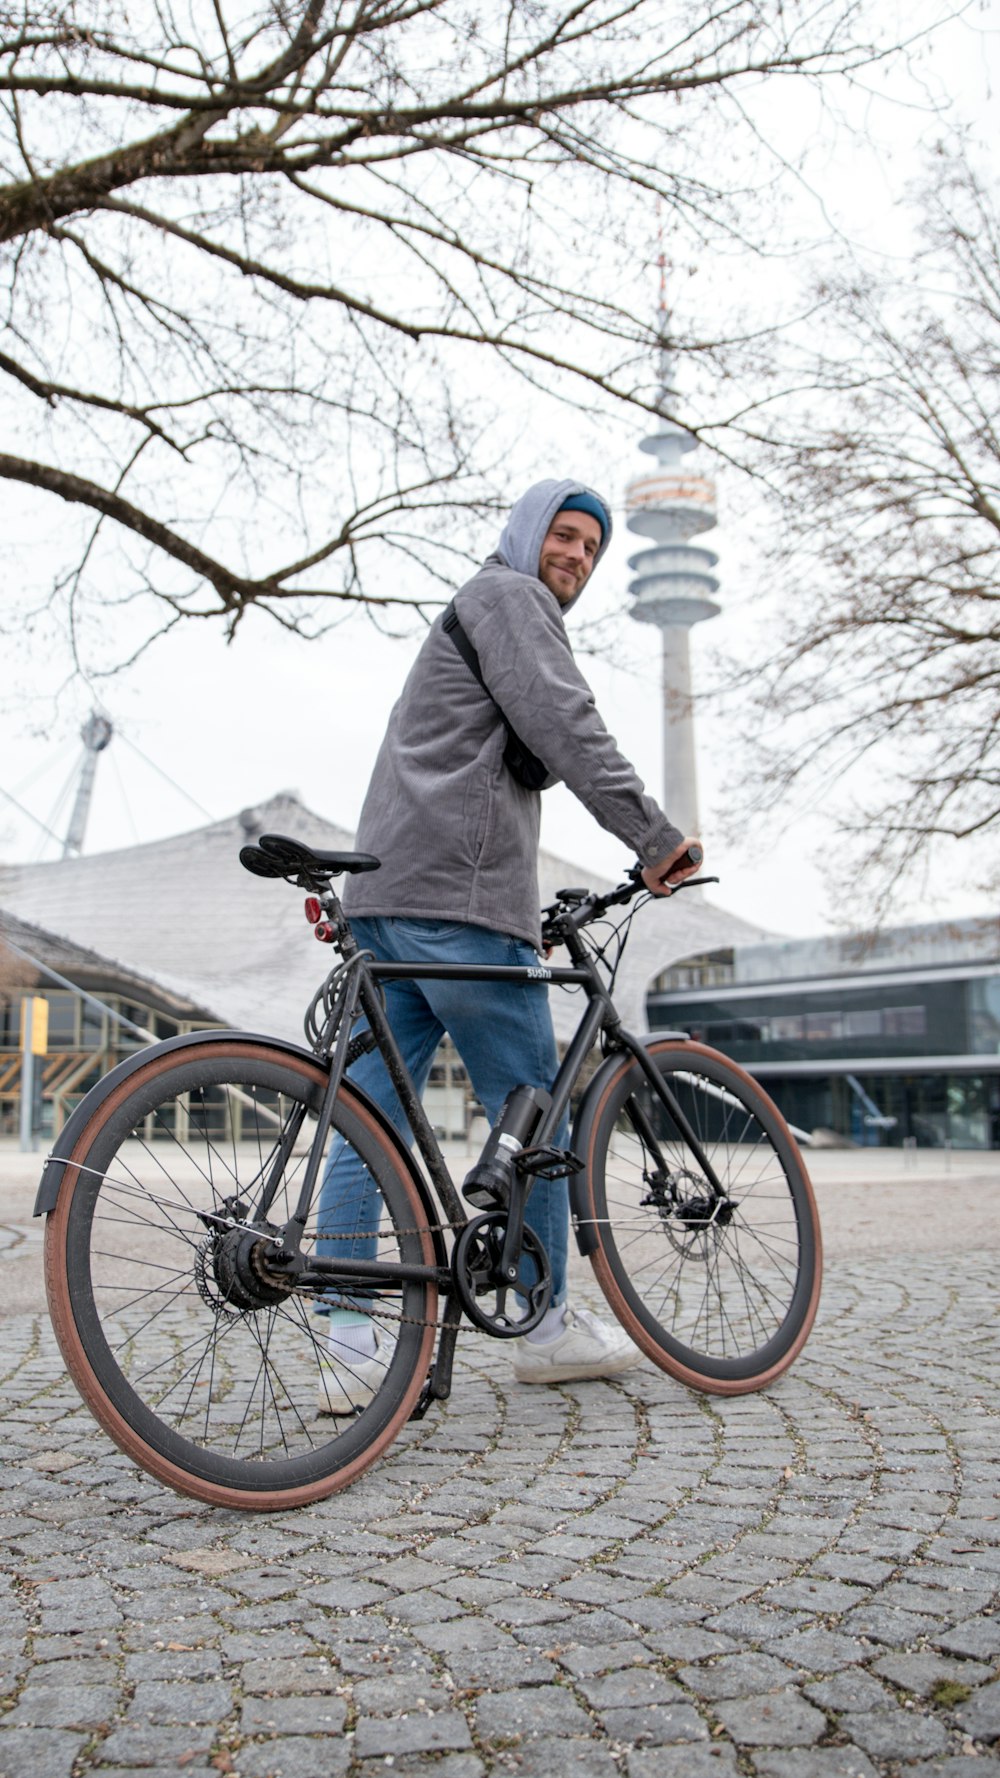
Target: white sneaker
(586, 1347)
(346, 1385)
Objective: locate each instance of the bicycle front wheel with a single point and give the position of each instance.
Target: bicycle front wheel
(720, 1288)
(204, 1367)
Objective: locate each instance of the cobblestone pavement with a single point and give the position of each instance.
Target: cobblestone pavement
(603, 1578)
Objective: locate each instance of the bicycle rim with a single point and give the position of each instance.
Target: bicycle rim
(214, 1391)
(724, 1298)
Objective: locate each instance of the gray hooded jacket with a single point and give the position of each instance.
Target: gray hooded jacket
(457, 835)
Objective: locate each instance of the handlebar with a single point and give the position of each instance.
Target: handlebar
(576, 908)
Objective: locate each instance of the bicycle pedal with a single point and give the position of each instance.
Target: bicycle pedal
(548, 1163)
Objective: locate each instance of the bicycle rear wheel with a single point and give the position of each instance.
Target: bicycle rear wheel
(201, 1366)
(721, 1293)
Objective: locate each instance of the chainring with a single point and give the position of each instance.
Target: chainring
(484, 1291)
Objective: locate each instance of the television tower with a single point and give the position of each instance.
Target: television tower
(95, 735)
(674, 585)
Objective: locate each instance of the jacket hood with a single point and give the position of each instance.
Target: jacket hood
(530, 517)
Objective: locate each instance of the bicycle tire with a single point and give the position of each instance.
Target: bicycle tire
(724, 1306)
(216, 1400)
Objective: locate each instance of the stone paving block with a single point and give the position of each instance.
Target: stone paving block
(980, 1717)
(595, 1588)
(853, 1689)
(287, 1677)
(263, 1645)
(959, 1765)
(461, 1635)
(978, 1638)
(737, 1676)
(780, 1719)
(64, 1706)
(177, 1701)
(921, 1673)
(587, 1660)
(820, 1651)
(487, 1667)
(595, 1627)
(653, 1614)
(295, 1756)
(140, 1744)
(423, 1765)
(818, 1762)
(654, 1725)
(30, 1753)
(889, 1624)
(193, 1769)
(688, 1760)
(689, 1642)
(293, 1716)
(756, 1623)
(195, 1663)
(545, 1710)
(628, 1686)
(914, 1595)
(864, 1571)
(389, 1694)
(550, 1758)
(425, 1608)
(897, 1734)
(413, 1733)
(814, 1594)
(346, 1595)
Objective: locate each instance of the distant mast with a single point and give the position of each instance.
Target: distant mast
(95, 735)
(674, 585)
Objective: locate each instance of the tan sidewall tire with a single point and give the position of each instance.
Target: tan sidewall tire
(60, 1307)
(609, 1284)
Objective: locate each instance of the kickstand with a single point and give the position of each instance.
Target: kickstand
(438, 1384)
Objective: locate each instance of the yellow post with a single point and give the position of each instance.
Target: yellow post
(34, 1042)
(38, 1023)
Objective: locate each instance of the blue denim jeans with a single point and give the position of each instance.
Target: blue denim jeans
(503, 1033)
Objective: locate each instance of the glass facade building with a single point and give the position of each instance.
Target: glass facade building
(886, 1038)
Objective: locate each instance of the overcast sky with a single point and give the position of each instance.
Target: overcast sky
(233, 725)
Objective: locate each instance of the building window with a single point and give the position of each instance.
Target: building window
(62, 1021)
(710, 970)
(905, 1021)
(866, 1023)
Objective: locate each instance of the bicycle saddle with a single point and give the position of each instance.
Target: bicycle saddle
(276, 855)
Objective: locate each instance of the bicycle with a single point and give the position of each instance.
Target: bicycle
(186, 1283)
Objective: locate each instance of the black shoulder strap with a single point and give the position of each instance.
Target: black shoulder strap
(453, 626)
(526, 767)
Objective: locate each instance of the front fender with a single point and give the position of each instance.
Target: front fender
(76, 1123)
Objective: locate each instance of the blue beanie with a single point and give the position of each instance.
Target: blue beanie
(589, 503)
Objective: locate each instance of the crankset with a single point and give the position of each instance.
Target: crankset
(487, 1295)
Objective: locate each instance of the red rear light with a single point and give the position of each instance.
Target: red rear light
(324, 932)
(314, 909)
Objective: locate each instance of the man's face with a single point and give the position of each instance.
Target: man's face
(567, 553)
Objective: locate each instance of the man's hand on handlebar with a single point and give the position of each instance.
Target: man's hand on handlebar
(684, 861)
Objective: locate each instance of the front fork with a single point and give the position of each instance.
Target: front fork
(644, 1128)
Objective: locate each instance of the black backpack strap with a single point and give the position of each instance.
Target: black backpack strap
(525, 766)
(452, 625)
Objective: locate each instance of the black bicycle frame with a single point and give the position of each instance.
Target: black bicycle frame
(599, 1014)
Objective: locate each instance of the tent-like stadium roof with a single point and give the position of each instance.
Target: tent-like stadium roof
(183, 913)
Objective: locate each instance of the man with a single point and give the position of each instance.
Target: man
(457, 835)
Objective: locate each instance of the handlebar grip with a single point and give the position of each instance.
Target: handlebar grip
(690, 860)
